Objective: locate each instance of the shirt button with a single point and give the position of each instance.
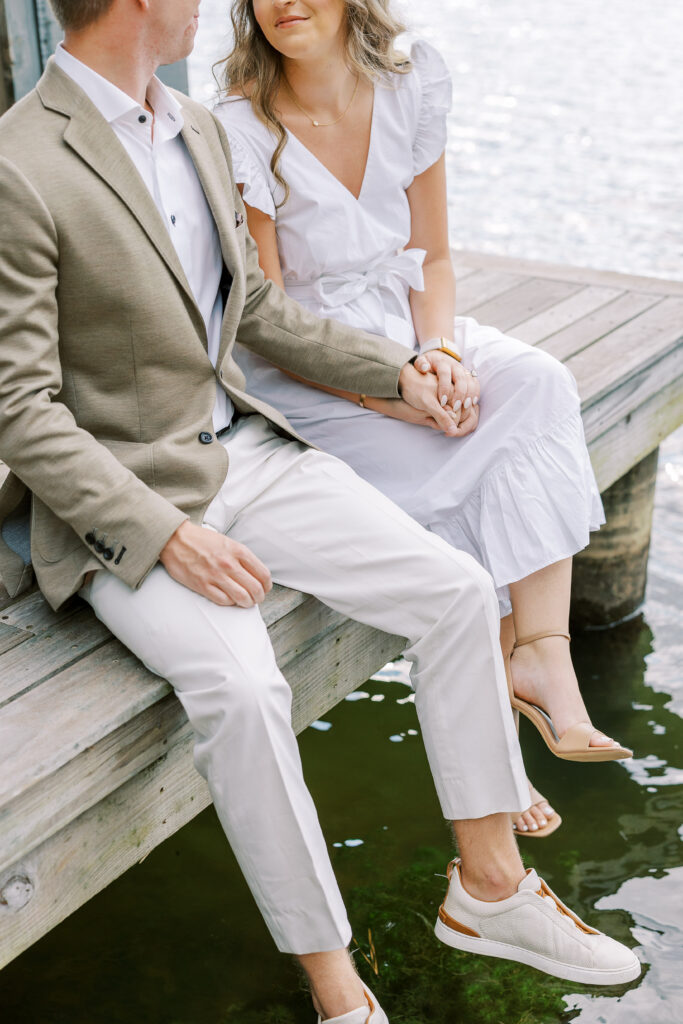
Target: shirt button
(205, 437)
(142, 119)
(173, 218)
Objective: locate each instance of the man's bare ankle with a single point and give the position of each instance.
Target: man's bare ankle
(335, 987)
(334, 1002)
(491, 884)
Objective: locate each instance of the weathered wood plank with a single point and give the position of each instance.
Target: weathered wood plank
(462, 270)
(562, 272)
(10, 636)
(88, 700)
(563, 313)
(280, 602)
(619, 404)
(40, 657)
(481, 286)
(32, 612)
(519, 304)
(48, 806)
(629, 440)
(627, 351)
(591, 328)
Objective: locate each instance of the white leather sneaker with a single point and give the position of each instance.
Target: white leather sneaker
(533, 927)
(370, 1014)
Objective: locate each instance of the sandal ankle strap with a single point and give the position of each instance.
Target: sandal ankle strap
(538, 636)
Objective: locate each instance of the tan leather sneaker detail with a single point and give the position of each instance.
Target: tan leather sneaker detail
(450, 922)
(533, 927)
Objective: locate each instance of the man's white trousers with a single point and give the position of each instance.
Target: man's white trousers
(321, 529)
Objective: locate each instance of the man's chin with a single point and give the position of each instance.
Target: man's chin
(183, 50)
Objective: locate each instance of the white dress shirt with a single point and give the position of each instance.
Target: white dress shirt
(165, 165)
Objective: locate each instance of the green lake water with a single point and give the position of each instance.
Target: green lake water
(177, 939)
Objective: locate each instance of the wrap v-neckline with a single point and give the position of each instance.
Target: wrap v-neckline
(357, 199)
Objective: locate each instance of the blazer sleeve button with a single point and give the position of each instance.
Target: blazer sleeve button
(108, 554)
(99, 547)
(205, 437)
(90, 537)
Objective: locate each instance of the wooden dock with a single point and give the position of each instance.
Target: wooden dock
(95, 752)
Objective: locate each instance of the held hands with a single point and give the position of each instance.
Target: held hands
(447, 398)
(218, 568)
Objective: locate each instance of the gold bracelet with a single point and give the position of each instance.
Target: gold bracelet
(449, 351)
(361, 401)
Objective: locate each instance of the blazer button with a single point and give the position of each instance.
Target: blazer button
(205, 437)
(108, 554)
(90, 538)
(99, 547)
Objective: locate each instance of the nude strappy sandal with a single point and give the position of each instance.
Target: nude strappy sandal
(575, 744)
(543, 830)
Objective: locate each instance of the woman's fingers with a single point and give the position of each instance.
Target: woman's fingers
(469, 422)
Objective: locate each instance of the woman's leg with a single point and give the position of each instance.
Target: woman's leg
(537, 815)
(542, 671)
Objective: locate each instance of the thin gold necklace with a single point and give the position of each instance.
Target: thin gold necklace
(322, 124)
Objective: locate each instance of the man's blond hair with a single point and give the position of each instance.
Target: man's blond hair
(77, 14)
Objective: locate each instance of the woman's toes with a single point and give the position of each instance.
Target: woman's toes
(521, 825)
(539, 817)
(598, 739)
(547, 810)
(530, 820)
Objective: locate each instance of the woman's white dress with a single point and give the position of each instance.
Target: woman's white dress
(519, 493)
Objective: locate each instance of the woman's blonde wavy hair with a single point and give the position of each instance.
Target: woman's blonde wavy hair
(253, 68)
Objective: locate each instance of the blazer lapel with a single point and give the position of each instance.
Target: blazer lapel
(217, 187)
(89, 135)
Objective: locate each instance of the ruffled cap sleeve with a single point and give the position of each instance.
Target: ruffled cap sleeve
(247, 164)
(436, 97)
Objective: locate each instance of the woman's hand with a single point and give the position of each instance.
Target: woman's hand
(458, 388)
(397, 409)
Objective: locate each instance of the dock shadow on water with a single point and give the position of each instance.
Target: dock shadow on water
(177, 940)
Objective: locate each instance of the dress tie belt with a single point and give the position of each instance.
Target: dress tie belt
(335, 290)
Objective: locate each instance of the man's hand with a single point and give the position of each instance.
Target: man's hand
(215, 566)
(420, 390)
(457, 388)
(397, 409)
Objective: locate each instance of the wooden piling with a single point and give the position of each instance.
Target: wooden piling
(610, 575)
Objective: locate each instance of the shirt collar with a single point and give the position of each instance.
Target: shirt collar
(116, 105)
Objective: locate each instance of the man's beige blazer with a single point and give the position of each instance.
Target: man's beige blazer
(105, 383)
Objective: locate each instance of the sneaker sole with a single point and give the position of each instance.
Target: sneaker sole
(488, 947)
